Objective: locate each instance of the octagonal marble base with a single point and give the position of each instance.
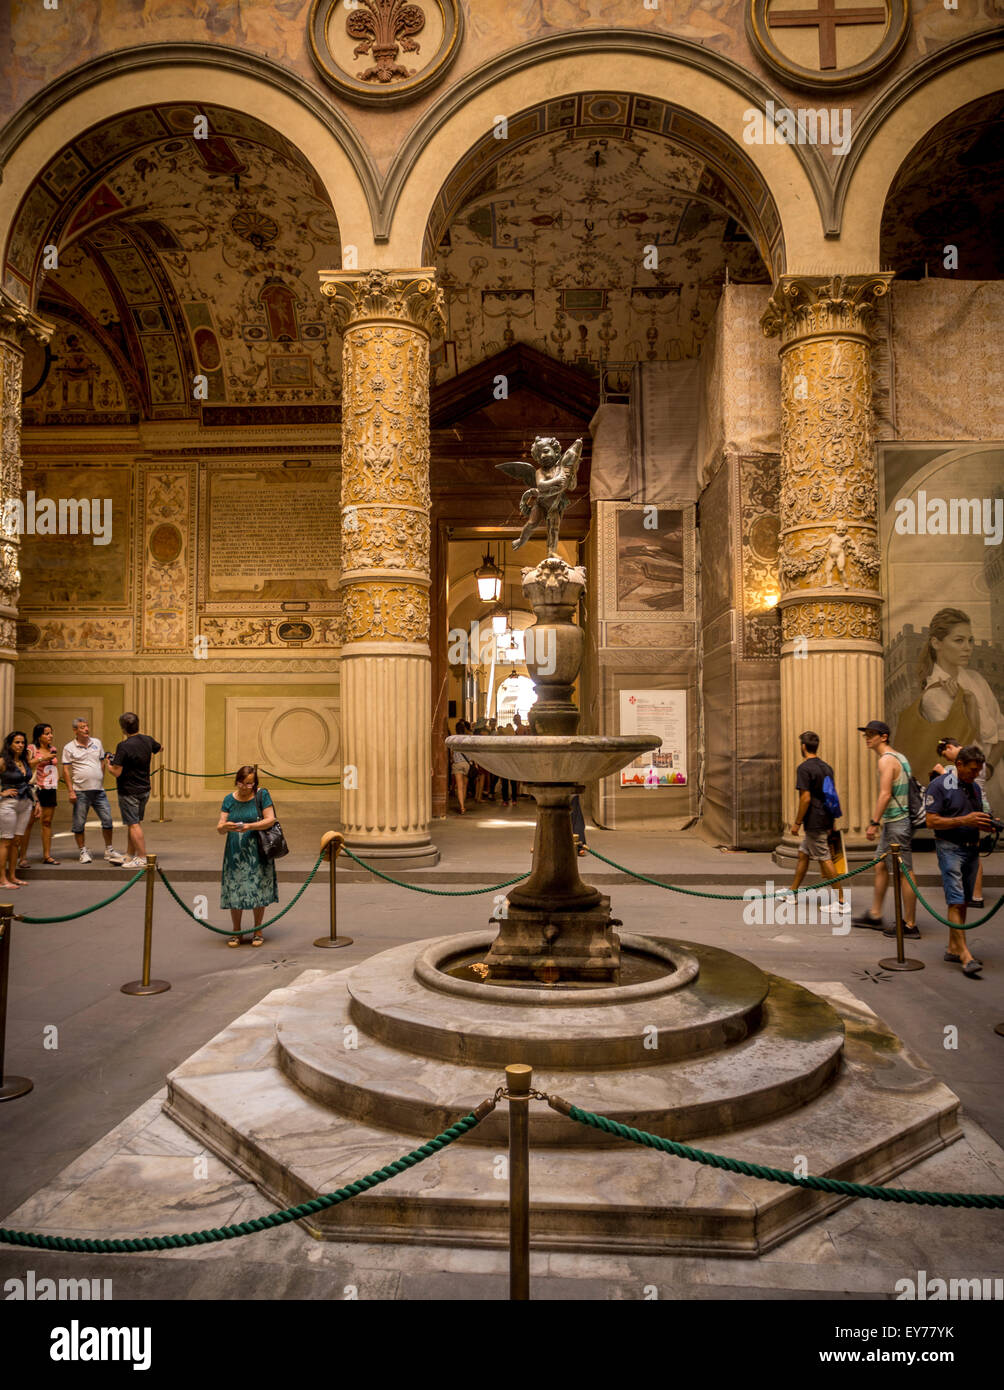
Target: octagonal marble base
(356, 1068)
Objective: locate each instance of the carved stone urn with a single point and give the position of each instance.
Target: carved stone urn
(554, 644)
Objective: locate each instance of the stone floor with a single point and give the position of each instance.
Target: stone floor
(98, 1058)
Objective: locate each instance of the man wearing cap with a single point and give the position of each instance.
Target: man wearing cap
(890, 824)
(957, 813)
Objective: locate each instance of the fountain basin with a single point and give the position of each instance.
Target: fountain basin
(555, 759)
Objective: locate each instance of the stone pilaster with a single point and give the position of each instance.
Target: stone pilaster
(831, 653)
(387, 318)
(16, 324)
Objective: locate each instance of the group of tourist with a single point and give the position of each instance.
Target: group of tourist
(954, 806)
(29, 783)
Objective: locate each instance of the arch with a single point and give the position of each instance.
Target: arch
(898, 121)
(702, 84)
(101, 90)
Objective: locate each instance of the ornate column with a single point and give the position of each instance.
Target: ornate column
(16, 323)
(831, 653)
(387, 318)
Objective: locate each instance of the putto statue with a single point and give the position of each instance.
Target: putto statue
(551, 476)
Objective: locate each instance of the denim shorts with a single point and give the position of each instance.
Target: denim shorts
(958, 865)
(97, 799)
(896, 832)
(131, 808)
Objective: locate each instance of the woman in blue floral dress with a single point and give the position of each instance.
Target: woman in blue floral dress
(248, 881)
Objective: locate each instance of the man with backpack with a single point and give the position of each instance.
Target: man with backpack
(818, 809)
(892, 823)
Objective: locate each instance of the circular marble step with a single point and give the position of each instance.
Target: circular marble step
(712, 999)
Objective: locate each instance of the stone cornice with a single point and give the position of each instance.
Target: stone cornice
(17, 322)
(815, 306)
(407, 297)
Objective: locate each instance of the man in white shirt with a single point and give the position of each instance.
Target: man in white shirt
(84, 774)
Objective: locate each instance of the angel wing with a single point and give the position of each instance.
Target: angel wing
(523, 471)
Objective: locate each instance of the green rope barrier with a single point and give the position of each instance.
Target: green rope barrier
(70, 916)
(958, 926)
(248, 931)
(436, 892)
(908, 1195)
(730, 897)
(130, 1245)
(275, 776)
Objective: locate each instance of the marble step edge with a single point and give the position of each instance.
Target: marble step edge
(434, 1203)
(401, 1003)
(404, 1092)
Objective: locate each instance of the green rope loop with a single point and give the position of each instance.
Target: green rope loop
(730, 897)
(69, 916)
(249, 931)
(274, 776)
(132, 1244)
(908, 1195)
(436, 892)
(957, 926)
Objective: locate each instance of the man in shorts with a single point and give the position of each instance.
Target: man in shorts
(890, 824)
(813, 819)
(130, 764)
(84, 772)
(957, 813)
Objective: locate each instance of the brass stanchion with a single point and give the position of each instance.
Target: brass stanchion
(10, 1086)
(900, 962)
(162, 819)
(332, 841)
(146, 985)
(518, 1078)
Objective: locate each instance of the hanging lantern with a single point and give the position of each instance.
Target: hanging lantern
(489, 580)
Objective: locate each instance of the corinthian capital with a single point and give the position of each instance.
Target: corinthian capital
(397, 296)
(808, 306)
(18, 322)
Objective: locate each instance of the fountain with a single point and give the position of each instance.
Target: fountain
(343, 1071)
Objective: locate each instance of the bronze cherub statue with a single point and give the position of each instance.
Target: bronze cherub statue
(552, 476)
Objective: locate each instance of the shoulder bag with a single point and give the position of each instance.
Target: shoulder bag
(271, 841)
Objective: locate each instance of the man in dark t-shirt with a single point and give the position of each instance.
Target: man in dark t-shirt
(130, 764)
(812, 819)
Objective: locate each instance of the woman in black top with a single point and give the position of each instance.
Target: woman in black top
(16, 804)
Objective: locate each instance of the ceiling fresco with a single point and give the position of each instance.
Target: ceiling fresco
(553, 253)
(187, 270)
(948, 194)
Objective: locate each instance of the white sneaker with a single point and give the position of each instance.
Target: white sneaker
(135, 863)
(85, 856)
(113, 856)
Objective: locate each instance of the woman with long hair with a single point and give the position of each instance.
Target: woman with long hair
(247, 880)
(43, 756)
(16, 804)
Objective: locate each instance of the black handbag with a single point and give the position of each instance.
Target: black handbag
(271, 841)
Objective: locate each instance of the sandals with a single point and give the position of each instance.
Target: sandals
(257, 939)
(238, 940)
(234, 941)
(51, 861)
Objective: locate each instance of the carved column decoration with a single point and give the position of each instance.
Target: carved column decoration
(831, 653)
(387, 318)
(16, 324)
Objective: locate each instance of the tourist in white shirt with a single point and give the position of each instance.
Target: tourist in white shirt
(945, 671)
(84, 772)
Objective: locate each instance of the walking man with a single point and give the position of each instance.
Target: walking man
(813, 819)
(130, 765)
(890, 824)
(84, 771)
(956, 812)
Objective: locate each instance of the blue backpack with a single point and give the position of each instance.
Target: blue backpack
(831, 798)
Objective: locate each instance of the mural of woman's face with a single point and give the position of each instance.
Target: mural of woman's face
(955, 649)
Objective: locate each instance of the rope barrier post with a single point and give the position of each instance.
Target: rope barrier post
(332, 842)
(146, 985)
(901, 962)
(162, 819)
(518, 1078)
(10, 1086)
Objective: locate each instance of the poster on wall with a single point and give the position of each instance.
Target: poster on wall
(662, 713)
(942, 534)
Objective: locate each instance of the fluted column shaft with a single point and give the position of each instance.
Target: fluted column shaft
(831, 653)
(387, 318)
(16, 324)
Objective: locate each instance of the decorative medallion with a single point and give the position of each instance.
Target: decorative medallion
(294, 630)
(166, 543)
(384, 52)
(827, 43)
